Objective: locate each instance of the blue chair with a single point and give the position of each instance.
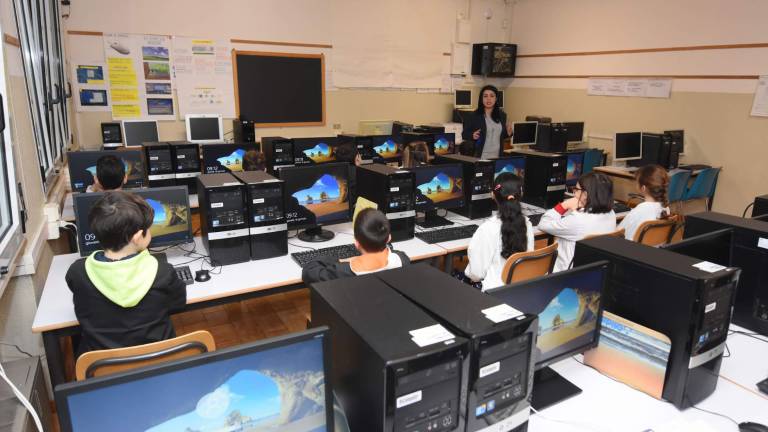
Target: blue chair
(678, 184)
(703, 186)
(592, 158)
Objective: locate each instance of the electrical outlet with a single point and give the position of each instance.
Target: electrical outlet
(337, 125)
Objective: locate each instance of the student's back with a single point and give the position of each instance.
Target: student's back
(652, 182)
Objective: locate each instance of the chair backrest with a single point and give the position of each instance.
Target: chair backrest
(528, 265)
(618, 233)
(678, 230)
(104, 362)
(592, 158)
(655, 232)
(678, 183)
(703, 185)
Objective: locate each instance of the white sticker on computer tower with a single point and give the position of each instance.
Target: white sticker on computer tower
(710, 307)
(258, 200)
(489, 369)
(217, 204)
(478, 174)
(709, 267)
(394, 189)
(762, 243)
(409, 399)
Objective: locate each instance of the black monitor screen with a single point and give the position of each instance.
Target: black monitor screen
(187, 158)
(463, 98)
(386, 147)
(82, 168)
(573, 168)
(628, 145)
(307, 151)
(204, 129)
(137, 132)
(445, 143)
(171, 224)
(714, 247)
(524, 133)
(439, 186)
(569, 306)
(316, 195)
(159, 160)
(514, 165)
(575, 131)
(222, 158)
(278, 385)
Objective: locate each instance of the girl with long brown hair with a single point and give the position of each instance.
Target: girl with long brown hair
(652, 182)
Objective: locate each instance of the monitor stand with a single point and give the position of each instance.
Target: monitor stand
(549, 388)
(432, 220)
(315, 235)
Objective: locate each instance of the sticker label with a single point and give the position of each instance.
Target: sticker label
(762, 243)
(278, 150)
(154, 157)
(710, 307)
(709, 267)
(217, 204)
(430, 335)
(409, 399)
(490, 369)
(478, 174)
(258, 200)
(501, 313)
(394, 189)
(181, 156)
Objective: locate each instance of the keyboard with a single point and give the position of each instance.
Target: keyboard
(447, 234)
(334, 252)
(185, 274)
(621, 207)
(535, 218)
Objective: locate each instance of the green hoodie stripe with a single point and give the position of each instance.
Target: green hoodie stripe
(124, 282)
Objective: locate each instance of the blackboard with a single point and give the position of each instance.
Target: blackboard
(280, 89)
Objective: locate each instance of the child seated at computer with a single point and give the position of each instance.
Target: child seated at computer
(652, 183)
(110, 174)
(123, 295)
(499, 237)
(254, 161)
(588, 212)
(372, 235)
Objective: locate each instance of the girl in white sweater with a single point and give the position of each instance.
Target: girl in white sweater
(652, 182)
(501, 236)
(589, 212)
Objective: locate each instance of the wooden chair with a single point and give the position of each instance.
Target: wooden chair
(528, 265)
(104, 362)
(618, 233)
(678, 230)
(655, 232)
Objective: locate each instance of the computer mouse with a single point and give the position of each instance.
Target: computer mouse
(117, 46)
(752, 427)
(202, 276)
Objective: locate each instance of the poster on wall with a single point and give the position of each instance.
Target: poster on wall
(90, 87)
(140, 79)
(203, 76)
(635, 87)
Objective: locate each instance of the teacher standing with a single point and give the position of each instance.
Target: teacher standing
(487, 127)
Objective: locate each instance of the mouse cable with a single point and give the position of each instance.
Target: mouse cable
(714, 413)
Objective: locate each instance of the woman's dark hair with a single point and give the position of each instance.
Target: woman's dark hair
(656, 181)
(372, 230)
(117, 216)
(508, 191)
(254, 161)
(496, 113)
(599, 189)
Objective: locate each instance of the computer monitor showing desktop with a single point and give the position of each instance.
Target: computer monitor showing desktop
(278, 384)
(570, 307)
(387, 148)
(438, 187)
(204, 128)
(222, 158)
(316, 150)
(524, 133)
(445, 143)
(574, 168)
(82, 168)
(136, 132)
(316, 195)
(171, 224)
(575, 132)
(514, 165)
(627, 146)
(462, 99)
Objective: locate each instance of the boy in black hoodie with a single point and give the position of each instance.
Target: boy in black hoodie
(371, 238)
(123, 296)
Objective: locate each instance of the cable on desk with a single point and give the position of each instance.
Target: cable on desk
(22, 399)
(712, 412)
(744, 214)
(303, 247)
(747, 334)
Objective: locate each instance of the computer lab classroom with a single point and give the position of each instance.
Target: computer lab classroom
(384, 216)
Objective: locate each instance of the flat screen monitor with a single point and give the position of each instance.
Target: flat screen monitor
(171, 225)
(82, 168)
(575, 131)
(136, 132)
(514, 165)
(524, 133)
(387, 147)
(223, 158)
(204, 128)
(309, 151)
(438, 187)
(279, 384)
(445, 143)
(627, 146)
(678, 140)
(462, 99)
(573, 168)
(570, 307)
(715, 247)
(316, 195)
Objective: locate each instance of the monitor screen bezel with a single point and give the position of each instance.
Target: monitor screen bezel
(105, 152)
(535, 132)
(533, 283)
(456, 103)
(440, 205)
(616, 143)
(203, 161)
(64, 391)
(300, 141)
(188, 123)
(288, 194)
(126, 135)
(568, 125)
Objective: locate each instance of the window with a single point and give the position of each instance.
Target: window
(40, 37)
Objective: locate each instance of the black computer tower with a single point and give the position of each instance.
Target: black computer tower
(501, 359)
(160, 169)
(224, 218)
(760, 206)
(749, 251)
(552, 137)
(394, 191)
(399, 128)
(663, 290)
(494, 59)
(386, 381)
(364, 145)
(244, 130)
(267, 225)
(278, 152)
(545, 175)
(186, 164)
(428, 138)
(478, 181)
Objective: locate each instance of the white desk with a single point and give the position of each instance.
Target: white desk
(748, 362)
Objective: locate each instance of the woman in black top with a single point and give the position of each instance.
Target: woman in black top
(487, 127)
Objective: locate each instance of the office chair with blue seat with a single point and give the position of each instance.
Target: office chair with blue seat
(703, 186)
(678, 184)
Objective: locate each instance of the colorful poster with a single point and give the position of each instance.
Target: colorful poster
(90, 74)
(90, 87)
(202, 70)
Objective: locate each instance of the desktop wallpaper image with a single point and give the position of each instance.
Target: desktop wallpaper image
(320, 153)
(442, 187)
(326, 198)
(442, 146)
(170, 218)
(510, 168)
(387, 149)
(233, 162)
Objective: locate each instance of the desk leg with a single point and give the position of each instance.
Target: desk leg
(449, 262)
(54, 357)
